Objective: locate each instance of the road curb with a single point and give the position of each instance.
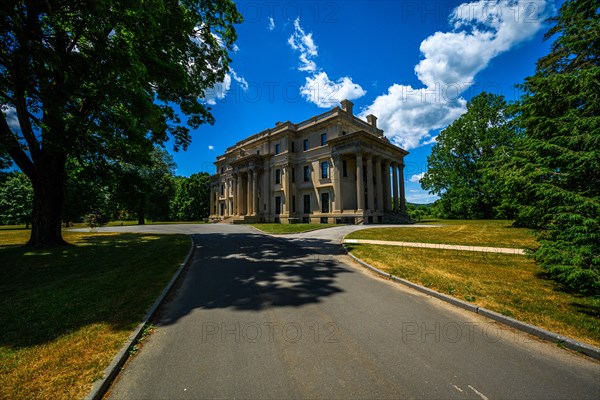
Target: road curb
(570, 343)
(109, 374)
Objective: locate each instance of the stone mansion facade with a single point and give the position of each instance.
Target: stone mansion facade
(331, 168)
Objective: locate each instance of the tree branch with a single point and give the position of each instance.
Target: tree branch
(13, 148)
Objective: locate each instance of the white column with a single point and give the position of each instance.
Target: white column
(337, 183)
(255, 192)
(360, 186)
(379, 184)
(402, 194)
(395, 183)
(370, 189)
(388, 188)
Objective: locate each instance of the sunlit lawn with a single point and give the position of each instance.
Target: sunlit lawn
(65, 312)
(289, 228)
(509, 284)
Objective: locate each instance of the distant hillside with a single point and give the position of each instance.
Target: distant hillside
(427, 205)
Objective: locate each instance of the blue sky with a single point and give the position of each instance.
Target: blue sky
(413, 64)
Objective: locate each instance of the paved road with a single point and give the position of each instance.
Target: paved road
(274, 317)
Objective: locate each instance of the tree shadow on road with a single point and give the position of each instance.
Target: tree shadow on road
(255, 272)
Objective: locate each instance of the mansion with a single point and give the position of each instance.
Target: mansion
(331, 168)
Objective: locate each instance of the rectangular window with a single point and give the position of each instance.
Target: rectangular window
(325, 202)
(345, 168)
(324, 170)
(306, 201)
(277, 176)
(277, 204)
(306, 173)
(222, 169)
(323, 139)
(293, 175)
(277, 148)
(293, 147)
(293, 203)
(258, 152)
(222, 190)
(305, 144)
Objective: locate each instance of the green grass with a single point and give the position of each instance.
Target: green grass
(66, 311)
(469, 233)
(509, 284)
(289, 228)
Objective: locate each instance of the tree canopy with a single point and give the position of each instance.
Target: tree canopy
(97, 79)
(462, 154)
(553, 174)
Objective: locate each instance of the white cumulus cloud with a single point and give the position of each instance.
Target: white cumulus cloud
(417, 177)
(325, 93)
(480, 31)
(271, 24)
(211, 147)
(319, 88)
(220, 89)
(10, 113)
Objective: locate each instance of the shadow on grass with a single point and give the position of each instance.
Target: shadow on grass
(252, 272)
(112, 279)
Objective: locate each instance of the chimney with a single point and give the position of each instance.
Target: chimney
(372, 120)
(347, 106)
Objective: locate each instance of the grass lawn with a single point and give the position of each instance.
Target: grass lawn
(470, 233)
(509, 284)
(65, 312)
(289, 228)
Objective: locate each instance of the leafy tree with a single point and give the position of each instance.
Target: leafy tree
(146, 190)
(554, 172)
(462, 153)
(16, 197)
(192, 197)
(89, 190)
(103, 78)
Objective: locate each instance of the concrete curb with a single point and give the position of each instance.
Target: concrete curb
(570, 343)
(100, 387)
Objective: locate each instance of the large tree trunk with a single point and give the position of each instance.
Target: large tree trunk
(141, 217)
(48, 202)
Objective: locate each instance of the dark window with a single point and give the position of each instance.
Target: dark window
(306, 173)
(293, 203)
(364, 173)
(222, 190)
(277, 176)
(222, 169)
(305, 144)
(293, 147)
(258, 152)
(293, 175)
(277, 148)
(323, 139)
(345, 168)
(306, 200)
(325, 202)
(324, 170)
(277, 204)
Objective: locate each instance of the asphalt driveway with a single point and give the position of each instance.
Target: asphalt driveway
(258, 316)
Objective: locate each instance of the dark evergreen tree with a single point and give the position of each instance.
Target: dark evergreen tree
(553, 175)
